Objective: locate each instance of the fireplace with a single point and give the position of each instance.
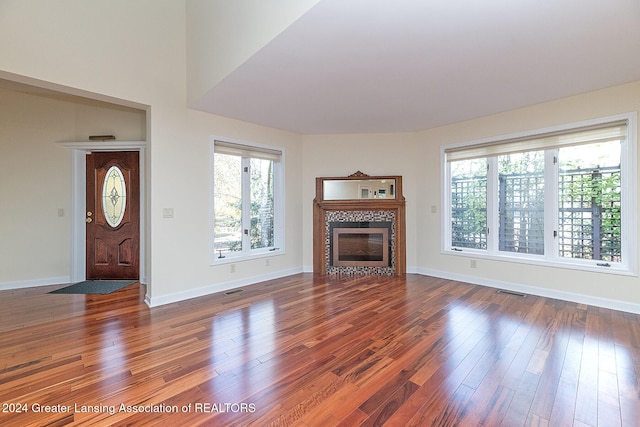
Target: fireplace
(354, 234)
(362, 246)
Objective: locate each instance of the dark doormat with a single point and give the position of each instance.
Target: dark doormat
(94, 287)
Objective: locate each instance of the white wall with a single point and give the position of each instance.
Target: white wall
(603, 289)
(181, 244)
(417, 157)
(373, 154)
(35, 179)
(136, 52)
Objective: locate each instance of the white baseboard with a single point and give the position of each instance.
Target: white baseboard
(4, 286)
(534, 290)
(218, 287)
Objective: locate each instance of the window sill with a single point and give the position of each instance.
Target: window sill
(537, 260)
(245, 257)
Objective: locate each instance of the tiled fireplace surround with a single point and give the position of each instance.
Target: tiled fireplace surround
(363, 219)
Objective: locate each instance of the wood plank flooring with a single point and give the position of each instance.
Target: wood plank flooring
(312, 351)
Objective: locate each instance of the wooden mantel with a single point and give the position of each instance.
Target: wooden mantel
(357, 193)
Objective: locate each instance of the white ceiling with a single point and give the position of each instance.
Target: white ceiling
(370, 66)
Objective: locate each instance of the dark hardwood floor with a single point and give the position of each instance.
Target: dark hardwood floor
(311, 351)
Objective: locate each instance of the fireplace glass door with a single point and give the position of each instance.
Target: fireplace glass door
(360, 247)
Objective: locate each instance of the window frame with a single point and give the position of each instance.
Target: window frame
(247, 253)
(551, 257)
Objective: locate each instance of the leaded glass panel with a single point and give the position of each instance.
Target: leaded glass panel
(114, 196)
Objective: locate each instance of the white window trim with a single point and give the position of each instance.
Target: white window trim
(628, 166)
(279, 211)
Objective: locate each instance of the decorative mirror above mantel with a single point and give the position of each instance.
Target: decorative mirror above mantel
(359, 186)
(359, 225)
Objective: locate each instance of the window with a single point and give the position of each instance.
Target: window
(564, 196)
(521, 202)
(247, 201)
(469, 204)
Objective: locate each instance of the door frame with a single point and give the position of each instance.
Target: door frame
(79, 151)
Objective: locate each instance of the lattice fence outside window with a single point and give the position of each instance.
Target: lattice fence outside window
(589, 222)
(589, 214)
(469, 212)
(521, 213)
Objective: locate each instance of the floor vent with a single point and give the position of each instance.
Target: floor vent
(235, 291)
(518, 294)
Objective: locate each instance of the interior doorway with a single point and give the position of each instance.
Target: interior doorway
(80, 153)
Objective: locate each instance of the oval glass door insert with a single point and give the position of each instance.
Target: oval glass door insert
(114, 196)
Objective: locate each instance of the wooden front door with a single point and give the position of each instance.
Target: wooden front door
(113, 215)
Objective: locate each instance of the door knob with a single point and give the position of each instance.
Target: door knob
(88, 219)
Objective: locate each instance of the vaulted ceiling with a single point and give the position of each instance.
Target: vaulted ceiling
(369, 66)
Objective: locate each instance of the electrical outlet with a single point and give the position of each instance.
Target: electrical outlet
(233, 268)
(434, 209)
(267, 262)
(473, 263)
